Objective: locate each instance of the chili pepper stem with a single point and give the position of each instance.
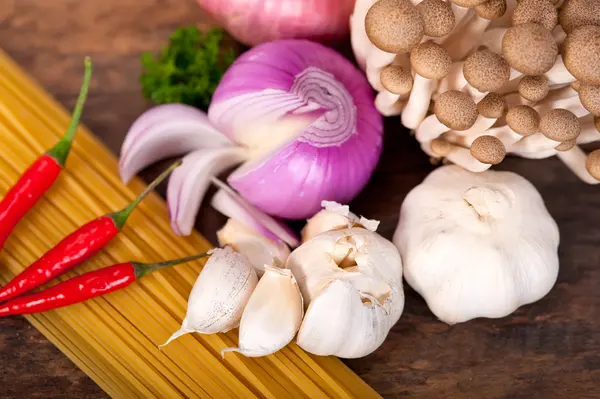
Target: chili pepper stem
(61, 150)
(120, 217)
(142, 269)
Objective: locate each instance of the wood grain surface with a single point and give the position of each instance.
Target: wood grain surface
(548, 350)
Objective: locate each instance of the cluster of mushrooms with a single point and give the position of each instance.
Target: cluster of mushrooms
(476, 80)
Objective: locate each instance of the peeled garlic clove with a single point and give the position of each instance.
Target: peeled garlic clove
(334, 216)
(219, 295)
(272, 316)
(256, 247)
(351, 282)
(477, 244)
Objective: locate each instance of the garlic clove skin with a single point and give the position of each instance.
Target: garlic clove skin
(219, 295)
(477, 244)
(352, 278)
(334, 216)
(259, 249)
(273, 314)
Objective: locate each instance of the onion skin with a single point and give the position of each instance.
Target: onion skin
(331, 160)
(253, 22)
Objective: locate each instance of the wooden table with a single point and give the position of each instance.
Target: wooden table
(548, 350)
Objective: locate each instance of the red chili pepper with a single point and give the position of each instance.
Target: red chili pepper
(76, 247)
(86, 286)
(44, 171)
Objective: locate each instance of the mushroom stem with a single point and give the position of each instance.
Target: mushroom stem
(492, 39)
(463, 158)
(430, 129)
(589, 133)
(389, 104)
(481, 125)
(455, 80)
(572, 104)
(361, 45)
(464, 40)
(418, 102)
(575, 160)
(533, 143)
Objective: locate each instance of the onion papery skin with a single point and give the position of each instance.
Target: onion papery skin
(333, 158)
(253, 22)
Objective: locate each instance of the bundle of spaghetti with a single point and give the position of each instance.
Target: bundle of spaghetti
(114, 339)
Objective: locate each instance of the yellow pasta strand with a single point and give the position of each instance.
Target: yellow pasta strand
(114, 339)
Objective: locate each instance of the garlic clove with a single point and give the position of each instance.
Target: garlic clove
(273, 314)
(219, 295)
(259, 249)
(334, 216)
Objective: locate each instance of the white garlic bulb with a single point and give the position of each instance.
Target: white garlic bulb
(273, 314)
(477, 244)
(351, 282)
(219, 295)
(259, 249)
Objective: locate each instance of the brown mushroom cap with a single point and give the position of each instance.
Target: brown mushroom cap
(597, 122)
(529, 48)
(560, 125)
(492, 106)
(394, 26)
(396, 79)
(456, 110)
(575, 85)
(486, 70)
(576, 13)
(523, 119)
(581, 54)
(540, 12)
(589, 95)
(492, 9)
(566, 146)
(431, 60)
(592, 164)
(488, 149)
(438, 18)
(468, 3)
(534, 88)
(441, 147)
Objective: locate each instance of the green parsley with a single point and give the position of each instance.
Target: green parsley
(188, 70)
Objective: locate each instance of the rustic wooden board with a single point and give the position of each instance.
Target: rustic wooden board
(547, 350)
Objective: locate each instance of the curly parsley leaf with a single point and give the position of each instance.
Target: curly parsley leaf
(188, 70)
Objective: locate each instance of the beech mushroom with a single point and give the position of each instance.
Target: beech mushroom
(592, 164)
(576, 13)
(590, 98)
(457, 155)
(581, 164)
(394, 26)
(453, 110)
(534, 88)
(581, 53)
(491, 9)
(491, 108)
(523, 120)
(397, 83)
(430, 62)
(486, 71)
(560, 125)
(529, 48)
(488, 149)
(540, 12)
(438, 18)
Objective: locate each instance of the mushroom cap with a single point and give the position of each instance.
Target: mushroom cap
(540, 12)
(581, 54)
(523, 119)
(575, 85)
(576, 13)
(486, 70)
(394, 26)
(396, 79)
(492, 9)
(597, 122)
(592, 164)
(441, 147)
(534, 88)
(566, 145)
(488, 149)
(560, 125)
(438, 18)
(492, 106)
(456, 110)
(589, 95)
(529, 48)
(431, 60)
(468, 3)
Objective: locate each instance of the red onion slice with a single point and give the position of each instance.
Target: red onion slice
(165, 131)
(232, 205)
(189, 183)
